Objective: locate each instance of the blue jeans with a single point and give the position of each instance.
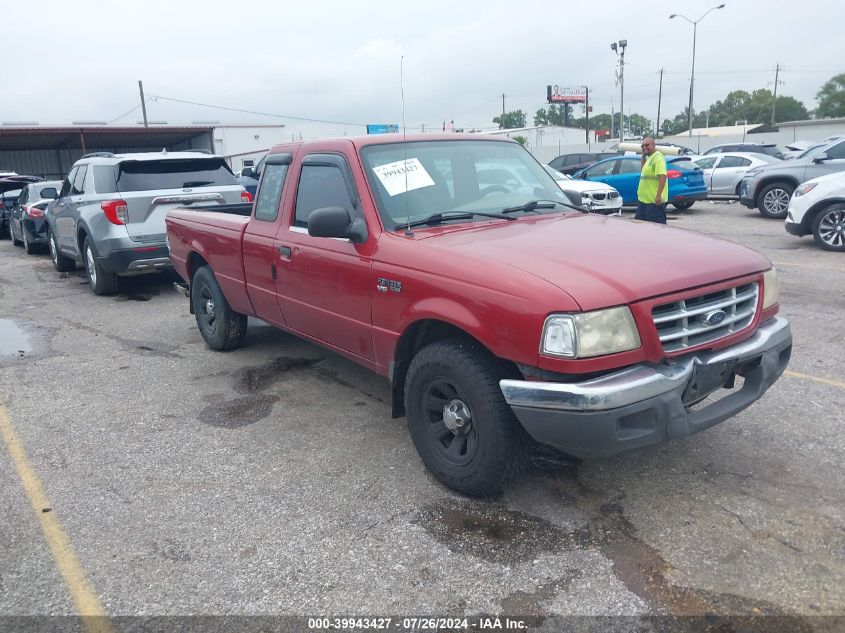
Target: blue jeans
(651, 212)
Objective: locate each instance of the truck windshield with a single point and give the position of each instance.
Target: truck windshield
(151, 175)
(414, 180)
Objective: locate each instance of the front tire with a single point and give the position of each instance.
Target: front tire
(61, 263)
(464, 431)
(220, 326)
(683, 206)
(773, 201)
(829, 228)
(101, 281)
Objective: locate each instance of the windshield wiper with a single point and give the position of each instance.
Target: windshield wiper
(439, 218)
(197, 183)
(541, 204)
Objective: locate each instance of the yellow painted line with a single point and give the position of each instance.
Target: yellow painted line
(88, 606)
(824, 381)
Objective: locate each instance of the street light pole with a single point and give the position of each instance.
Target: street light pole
(615, 47)
(692, 74)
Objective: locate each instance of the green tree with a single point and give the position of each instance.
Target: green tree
(508, 120)
(553, 115)
(831, 98)
(520, 139)
(790, 109)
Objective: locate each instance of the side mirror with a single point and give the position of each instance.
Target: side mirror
(336, 222)
(821, 158)
(247, 172)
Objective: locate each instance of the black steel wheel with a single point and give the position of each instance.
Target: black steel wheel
(221, 327)
(464, 431)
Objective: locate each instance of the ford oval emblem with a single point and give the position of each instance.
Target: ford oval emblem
(715, 317)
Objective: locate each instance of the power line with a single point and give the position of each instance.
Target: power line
(268, 114)
(127, 113)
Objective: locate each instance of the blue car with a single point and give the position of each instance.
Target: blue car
(686, 181)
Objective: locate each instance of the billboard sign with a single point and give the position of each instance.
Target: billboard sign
(382, 128)
(556, 94)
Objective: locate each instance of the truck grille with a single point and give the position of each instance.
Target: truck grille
(685, 323)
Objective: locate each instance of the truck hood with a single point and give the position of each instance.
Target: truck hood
(599, 261)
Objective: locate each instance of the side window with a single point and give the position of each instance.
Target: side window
(104, 181)
(270, 193)
(732, 161)
(629, 167)
(79, 181)
(837, 151)
(706, 163)
(320, 186)
(587, 158)
(23, 197)
(66, 185)
(602, 169)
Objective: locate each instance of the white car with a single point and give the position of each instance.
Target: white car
(598, 196)
(817, 207)
(723, 173)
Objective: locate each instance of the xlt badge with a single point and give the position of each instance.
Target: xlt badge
(383, 285)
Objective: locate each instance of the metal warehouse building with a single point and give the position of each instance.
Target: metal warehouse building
(51, 151)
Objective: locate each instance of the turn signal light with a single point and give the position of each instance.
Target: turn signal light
(116, 211)
(34, 212)
(246, 196)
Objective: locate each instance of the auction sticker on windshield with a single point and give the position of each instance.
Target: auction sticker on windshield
(403, 176)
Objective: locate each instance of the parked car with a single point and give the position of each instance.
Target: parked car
(109, 215)
(570, 163)
(754, 148)
(249, 176)
(8, 185)
(799, 152)
(685, 181)
(28, 224)
(597, 196)
(723, 172)
(817, 208)
(496, 314)
(769, 187)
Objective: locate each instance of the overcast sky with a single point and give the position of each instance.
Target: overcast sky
(340, 60)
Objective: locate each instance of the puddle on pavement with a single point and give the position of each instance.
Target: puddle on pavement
(239, 412)
(13, 340)
(260, 377)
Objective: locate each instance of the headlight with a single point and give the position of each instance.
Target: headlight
(771, 288)
(807, 187)
(588, 334)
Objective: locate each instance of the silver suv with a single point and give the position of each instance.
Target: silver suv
(110, 212)
(769, 187)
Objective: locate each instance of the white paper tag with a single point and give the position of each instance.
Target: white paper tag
(393, 176)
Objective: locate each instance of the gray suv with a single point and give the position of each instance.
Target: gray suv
(110, 212)
(769, 187)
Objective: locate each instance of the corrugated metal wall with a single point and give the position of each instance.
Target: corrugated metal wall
(54, 164)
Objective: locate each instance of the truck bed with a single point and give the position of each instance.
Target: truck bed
(235, 208)
(218, 239)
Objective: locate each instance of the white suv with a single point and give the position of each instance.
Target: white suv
(818, 207)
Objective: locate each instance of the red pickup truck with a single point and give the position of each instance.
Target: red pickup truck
(502, 315)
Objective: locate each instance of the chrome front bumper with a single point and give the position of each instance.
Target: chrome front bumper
(647, 404)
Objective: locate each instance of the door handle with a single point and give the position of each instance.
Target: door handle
(285, 252)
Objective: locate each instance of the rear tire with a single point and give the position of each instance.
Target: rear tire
(61, 263)
(477, 449)
(829, 228)
(773, 201)
(683, 206)
(15, 241)
(30, 248)
(101, 281)
(221, 327)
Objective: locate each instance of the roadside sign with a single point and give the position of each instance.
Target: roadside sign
(556, 94)
(382, 128)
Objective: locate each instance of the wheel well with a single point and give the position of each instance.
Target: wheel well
(787, 180)
(195, 260)
(80, 239)
(817, 208)
(413, 339)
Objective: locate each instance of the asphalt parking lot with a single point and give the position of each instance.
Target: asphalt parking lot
(272, 479)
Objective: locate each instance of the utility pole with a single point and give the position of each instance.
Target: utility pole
(615, 47)
(775, 98)
(587, 115)
(659, 99)
(143, 102)
(503, 105)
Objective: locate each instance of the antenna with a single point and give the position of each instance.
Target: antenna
(408, 231)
